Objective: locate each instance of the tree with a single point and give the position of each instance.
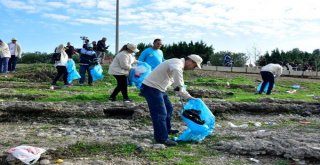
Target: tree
(239, 59)
(183, 49)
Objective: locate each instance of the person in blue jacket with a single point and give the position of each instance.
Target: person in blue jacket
(87, 58)
(153, 55)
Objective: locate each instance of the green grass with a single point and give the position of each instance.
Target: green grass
(93, 148)
(103, 88)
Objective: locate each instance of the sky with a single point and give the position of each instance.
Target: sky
(226, 25)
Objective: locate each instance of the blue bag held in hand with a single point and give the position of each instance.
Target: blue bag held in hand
(137, 74)
(199, 119)
(72, 71)
(96, 72)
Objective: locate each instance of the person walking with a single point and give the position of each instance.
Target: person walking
(70, 50)
(269, 73)
(4, 57)
(101, 49)
(61, 66)
(15, 50)
(94, 46)
(120, 67)
(154, 87)
(153, 55)
(87, 58)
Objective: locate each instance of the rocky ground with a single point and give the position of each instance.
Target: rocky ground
(267, 132)
(267, 138)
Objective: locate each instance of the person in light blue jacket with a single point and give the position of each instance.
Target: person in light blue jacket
(153, 55)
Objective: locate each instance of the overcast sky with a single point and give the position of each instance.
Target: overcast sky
(233, 25)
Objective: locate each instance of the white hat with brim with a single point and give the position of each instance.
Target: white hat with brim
(132, 47)
(197, 59)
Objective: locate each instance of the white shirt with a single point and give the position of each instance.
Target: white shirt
(168, 73)
(12, 48)
(275, 69)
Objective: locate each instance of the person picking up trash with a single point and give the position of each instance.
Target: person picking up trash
(154, 87)
(269, 73)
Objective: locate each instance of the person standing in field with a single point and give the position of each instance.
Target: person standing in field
(154, 86)
(87, 58)
(101, 49)
(15, 50)
(153, 55)
(4, 57)
(269, 73)
(61, 66)
(70, 50)
(120, 67)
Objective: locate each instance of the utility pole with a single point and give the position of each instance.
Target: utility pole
(117, 27)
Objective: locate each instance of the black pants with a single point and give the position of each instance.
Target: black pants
(267, 77)
(122, 85)
(62, 70)
(12, 63)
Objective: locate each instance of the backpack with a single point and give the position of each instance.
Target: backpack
(55, 57)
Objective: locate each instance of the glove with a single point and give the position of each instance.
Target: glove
(192, 98)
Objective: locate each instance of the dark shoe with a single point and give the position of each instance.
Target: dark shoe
(90, 84)
(173, 131)
(112, 99)
(169, 143)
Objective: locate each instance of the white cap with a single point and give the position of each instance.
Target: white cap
(132, 47)
(197, 59)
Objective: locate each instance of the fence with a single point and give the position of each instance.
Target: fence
(257, 70)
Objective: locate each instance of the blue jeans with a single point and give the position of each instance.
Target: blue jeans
(12, 63)
(4, 64)
(160, 109)
(83, 70)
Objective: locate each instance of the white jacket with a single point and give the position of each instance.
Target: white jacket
(168, 73)
(122, 63)
(275, 69)
(4, 50)
(63, 59)
(17, 50)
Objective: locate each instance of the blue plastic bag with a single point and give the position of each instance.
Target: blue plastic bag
(137, 74)
(96, 72)
(197, 132)
(72, 71)
(265, 88)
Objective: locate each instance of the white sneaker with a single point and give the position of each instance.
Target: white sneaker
(52, 87)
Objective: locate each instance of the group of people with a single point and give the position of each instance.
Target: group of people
(164, 73)
(99, 47)
(89, 56)
(9, 53)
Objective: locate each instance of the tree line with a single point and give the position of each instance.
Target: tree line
(182, 49)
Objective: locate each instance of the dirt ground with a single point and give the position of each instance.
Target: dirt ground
(256, 138)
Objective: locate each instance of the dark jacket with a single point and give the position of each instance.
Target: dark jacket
(70, 51)
(87, 57)
(101, 46)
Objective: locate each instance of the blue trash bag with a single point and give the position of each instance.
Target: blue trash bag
(73, 74)
(265, 88)
(138, 73)
(199, 119)
(96, 72)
